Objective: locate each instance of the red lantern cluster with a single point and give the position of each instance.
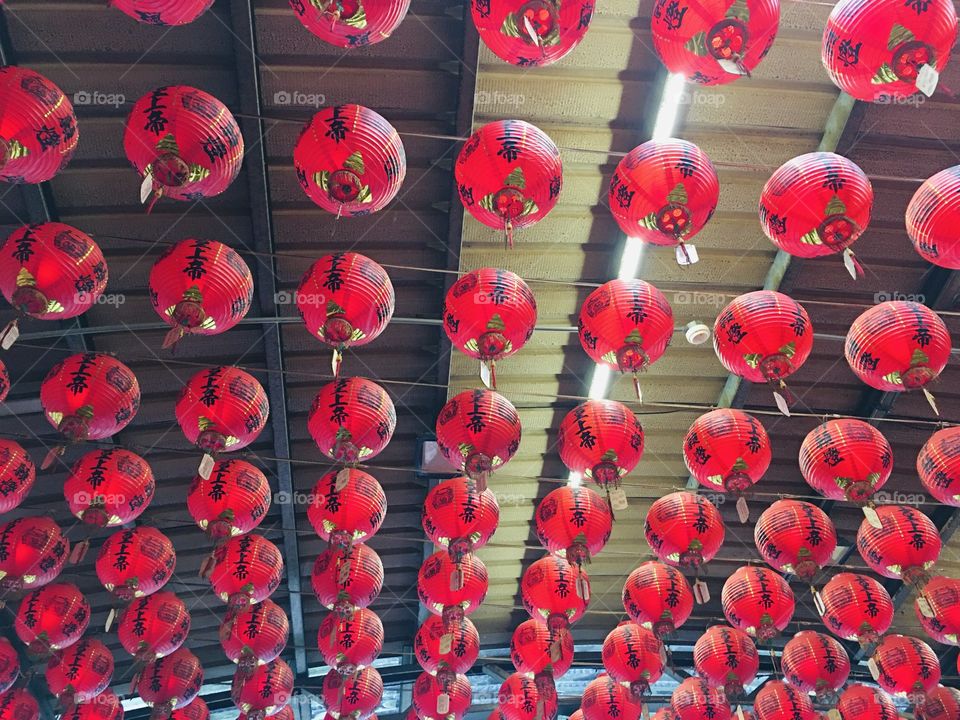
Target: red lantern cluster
(758, 601)
(347, 579)
(163, 12)
(348, 506)
(795, 537)
(154, 626)
(351, 23)
(846, 459)
(814, 662)
(18, 704)
(657, 597)
(109, 487)
(726, 658)
(684, 529)
(354, 696)
(80, 672)
(135, 563)
(906, 666)
(601, 440)
(860, 702)
(777, 700)
(170, 683)
(856, 607)
(727, 449)
(478, 431)
(695, 699)
(456, 515)
(932, 211)
(632, 654)
(938, 465)
(606, 699)
(555, 592)
(573, 522)
(264, 690)
(905, 546)
(233, 501)
(33, 551)
(246, 570)
(17, 474)
(255, 634)
(531, 34)
(52, 618)
(452, 589)
(351, 642)
(352, 419)
(942, 598)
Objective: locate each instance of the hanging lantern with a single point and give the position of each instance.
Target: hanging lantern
(664, 192)
(33, 551)
(254, 635)
(354, 696)
(153, 627)
(105, 706)
(846, 459)
(634, 655)
(795, 537)
(540, 651)
(162, 12)
(509, 175)
(856, 607)
(876, 50)
(816, 663)
(684, 529)
(938, 466)
(555, 592)
(200, 287)
(817, 204)
(694, 699)
(184, 144)
(726, 658)
(18, 704)
(352, 419)
(764, 336)
(434, 699)
(930, 215)
(860, 702)
(606, 699)
(135, 563)
(489, 314)
(170, 683)
(573, 522)
(657, 597)
(777, 700)
(52, 618)
(478, 431)
(941, 703)
(38, 130)
(109, 487)
(4, 373)
(452, 589)
(234, 500)
(445, 649)
(727, 450)
(17, 474)
(246, 570)
(348, 506)
(347, 579)
(897, 346)
(906, 667)
(938, 609)
(457, 516)
(601, 440)
(531, 34)
(520, 699)
(351, 642)
(263, 691)
(197, 710)
(626, 325)
(80, 672)
(758, 601)
(351, 23)
(904, 546)
(9, 665)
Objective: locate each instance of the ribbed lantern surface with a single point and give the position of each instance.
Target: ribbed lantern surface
(80, 672)
(255, 634)
(163, 12)
(857, 607)
(602, 440)
(846, 459)
(154, 626)
(907, 666)
(634, 655)
(861, 702)
(727, 449)
(531, 33)
(351, 23)
(457, 652)
(658, 597)
(777, 700)
(574, 522)
(942, 597)
(52, 618)
(695, 699)
(109, 487)
(17, 474)
(352, 419)
(222, 408)
(555, 592)
(347, 579)
(938, 466)
(350, 642)
(233, 501)
(684, 529)
(726, 658)
(478, 431)
(348, 510)
(796, 537)
(246, 570)
(905, 546)
(932, 213)
(456, 515)
(135, 562)
(33, 551)
(758, 601)
(815, 662)
(170, 683)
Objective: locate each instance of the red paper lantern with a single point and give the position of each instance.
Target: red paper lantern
(932, 211)
(876, 50)
(431, 696)
(795, 537)
(632, 654)
(777, 700)
(9, 665)
(531, 34)
(905, 546)
(573, 522)
(135, 563)
(727, 450)
(263, 691)
(816, 204)
(814, 662)
(907, 667)
(52, 618)
(18, 704)
(348, 506)
(352, 419)
(938, 466)
(657, 597)
(222, 408)
(452, 589)
(90, 396)
(347, 579)
(555, 592)
(942, 596)
(694, 699)
(109, 487)
(350, 160)
(726, 658)
(196, 710)
(846, 459)
(105, 706)
(718, 42)
(509, 175)
(254, 635)
(478, 431)
(246, 570)
(354, 696)
(601, 440)
(17, 473)
(233, 501)
(897, 346)
(351, 23)
(941, 703)
(51, 271)
(38, 130)
(758, 601)
(457, 516)
(163, 12)
(153, 627)
(170, 683)
(32, 553)
(538, 650)
(4, 382)
(520, 699)
(606, 699)
(684, 529)
(348, 643)
(856, 607)
(664, 192)
(446, 649)
(200, 287)
(860, 702)
(80, 672)
(186, 140)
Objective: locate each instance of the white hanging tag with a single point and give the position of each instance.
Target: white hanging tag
(933, 402)
(838, 554)
(663, 654)
(743, 510)
(206, 466)
(781, 402)
(443, 704)
(688, 258)
(534, 38)
(583, 588)
(927, 80)
(485, 375)
(871, 515)
(924, 606)
(343, 477)
(446, 643)
(730, 66)
(701, 592)
(111, 616)
(10, 334)
(818, 603)
(618, 499)
(333, 636)
(539, 715)
(456, 579)
(834, 714)
(146, 187)
(740, 715)
(874, 670)
(556, 650)
(849, 264)
(344, 575)
(645, 711)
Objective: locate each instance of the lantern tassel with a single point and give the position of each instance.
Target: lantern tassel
(783, 398)
(78, 552)
(932, 401)
(686, 254)
(336, 362)
(154, 199)
(51, 456)
(508, 233)
(171, 339)
(853, 265)
(206, 567)
(339, 211)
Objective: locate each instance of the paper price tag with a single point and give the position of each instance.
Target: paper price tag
(10, 334)
(688, 258)
(818, 603)
(618, 499)
(344, 575)
(485, 375)
(446, 643)
(206, 466)
(849, 264)
(343, 477)
(111, 616)
(871, 515)
(782, 405)
(927, 80)
(456, 579)
(743, 510)
(740, 715)
(701, 592)
(583, 588)
(146, 188)
(730, 66)
(924, 606)
(443, 704)
(874, 670)
(933, 402)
